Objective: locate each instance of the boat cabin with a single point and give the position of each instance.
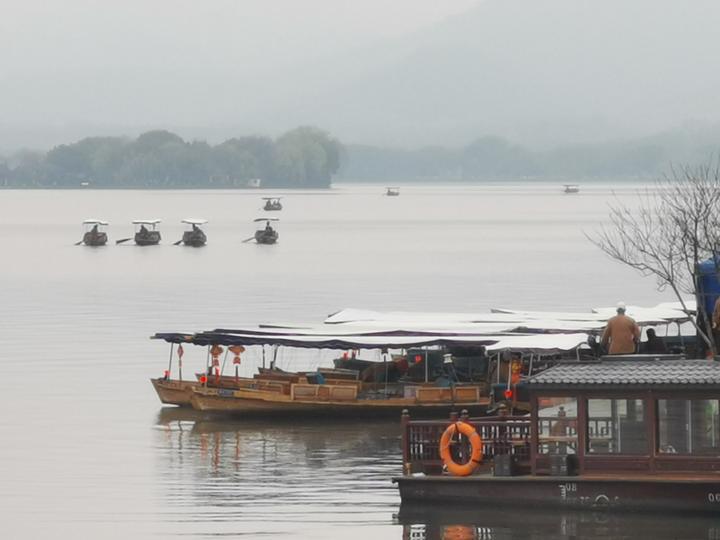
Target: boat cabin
(392, 191)
(627, 433)
(626, 415)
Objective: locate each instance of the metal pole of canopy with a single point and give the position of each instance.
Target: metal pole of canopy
(682, 340)
(275, 352)
(386, 371)
(180, 362)
(207, 365)
(263, 354)
(170, 361)
(530, 366)
(426, 363)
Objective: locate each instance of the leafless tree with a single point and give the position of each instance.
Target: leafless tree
(673, 228)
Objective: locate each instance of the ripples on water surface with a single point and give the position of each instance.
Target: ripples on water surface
(86, 448)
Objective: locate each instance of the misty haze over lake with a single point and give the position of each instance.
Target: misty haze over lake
(404, 74)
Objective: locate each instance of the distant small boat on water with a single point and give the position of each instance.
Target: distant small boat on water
(571, 188)
(392, 191)
(93, 235)
(195, 237)
(146, 233)
(266, 235)
(272, 203)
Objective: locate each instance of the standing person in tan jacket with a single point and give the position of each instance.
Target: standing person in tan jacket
(622, 332)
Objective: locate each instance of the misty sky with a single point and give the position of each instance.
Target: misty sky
(399, 72)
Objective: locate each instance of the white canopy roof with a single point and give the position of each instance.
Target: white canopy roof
(540, 343)
(146, 221)
(95, 222)
(194, 221)
(660, 314)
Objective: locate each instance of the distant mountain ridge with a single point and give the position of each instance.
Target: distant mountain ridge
(540, 72)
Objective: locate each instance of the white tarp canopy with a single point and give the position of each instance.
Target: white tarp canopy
(540, 343)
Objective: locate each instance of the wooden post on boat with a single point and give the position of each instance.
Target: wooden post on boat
(180, 355)
(405, 428)
(426, 364)
(169, 369)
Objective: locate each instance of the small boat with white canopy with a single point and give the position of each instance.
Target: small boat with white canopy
(392, 191)
(272, 204)
(266, 234)
(195, 237)
(571, 188)
(94, 235)
(146, 233)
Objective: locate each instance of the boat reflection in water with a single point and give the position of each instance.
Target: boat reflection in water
(424, 522)
(265, 479)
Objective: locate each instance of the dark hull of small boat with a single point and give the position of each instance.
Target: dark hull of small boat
(151, 238)
(265, 237)
(95, 239)
(642, 492)
(272, 208)
(194, 238)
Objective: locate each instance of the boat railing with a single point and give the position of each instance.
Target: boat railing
(500, 435)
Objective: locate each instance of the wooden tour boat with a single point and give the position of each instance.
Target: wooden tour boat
(195, 237)
(571, 188)
(392, 191)
(615, 434)
(146, 233)
(94, 236)
(421, 366)
(266, 235)
(272, 204)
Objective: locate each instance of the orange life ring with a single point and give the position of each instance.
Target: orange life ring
(461, 469)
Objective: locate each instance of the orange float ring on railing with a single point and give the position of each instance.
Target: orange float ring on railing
(461, 469)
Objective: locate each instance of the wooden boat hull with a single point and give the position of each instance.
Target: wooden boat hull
(95, 239)
(680, 493)
(173, 392)
(266, 237)
(151, 238)
(194, 238)
(248, 402)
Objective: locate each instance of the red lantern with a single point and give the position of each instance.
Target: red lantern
(180, 351)
(418, 358)
(203, 379)
(508, 393)
(167, 374)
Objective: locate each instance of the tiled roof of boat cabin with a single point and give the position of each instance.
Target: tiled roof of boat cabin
(646, 373)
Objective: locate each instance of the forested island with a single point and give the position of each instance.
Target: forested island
(308, 157)
(303, 157)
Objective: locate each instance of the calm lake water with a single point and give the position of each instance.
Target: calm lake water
(88, 451)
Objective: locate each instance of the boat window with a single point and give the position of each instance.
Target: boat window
(557, 425)
(688, 426)
(616, 426)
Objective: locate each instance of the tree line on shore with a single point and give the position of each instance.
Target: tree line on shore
(495, 158)
(307, 157)
(302, 157)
